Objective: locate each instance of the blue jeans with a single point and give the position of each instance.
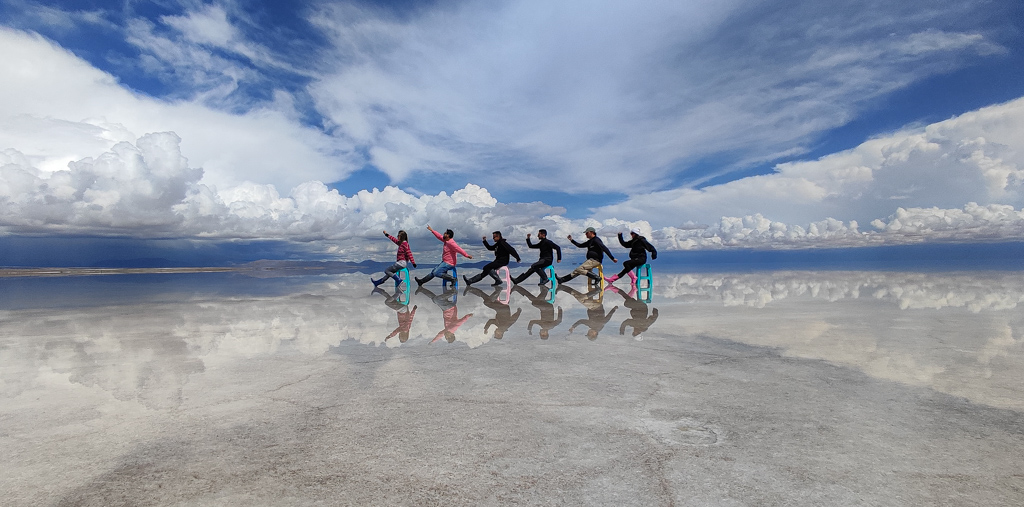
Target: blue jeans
(441, 271)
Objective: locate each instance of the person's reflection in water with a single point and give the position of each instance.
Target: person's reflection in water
(503, 316)
(638, 316)
(596, 317)
(405, 315)
(547, 320)
(449, 310)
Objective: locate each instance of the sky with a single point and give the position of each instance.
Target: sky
(784, 124)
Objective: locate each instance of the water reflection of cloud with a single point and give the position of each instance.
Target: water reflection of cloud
(128, 352)
(976, 291)
(146, 351)
(959, 333)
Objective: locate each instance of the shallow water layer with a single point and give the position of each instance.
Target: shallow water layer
(788, 387)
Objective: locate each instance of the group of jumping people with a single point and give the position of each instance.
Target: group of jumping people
(596, 249)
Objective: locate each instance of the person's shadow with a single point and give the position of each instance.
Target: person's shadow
(503, 316)
(449, 310)
(638, 313)
(596, 316)
(405, 315)
(547, 320)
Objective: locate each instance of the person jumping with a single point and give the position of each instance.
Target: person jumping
(638, 248)
(448, 258)
(502, 250)
(595, 254)
(546, 247)
(404, 258)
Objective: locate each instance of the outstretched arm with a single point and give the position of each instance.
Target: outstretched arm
(607, 251)
(460, 251)
(514, 253)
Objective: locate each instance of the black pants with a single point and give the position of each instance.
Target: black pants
(536, 267)
(632, 264)
(491, 268)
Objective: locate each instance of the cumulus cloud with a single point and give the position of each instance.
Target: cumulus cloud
(57, 108)
(147, 189)
(541, 102)
(972, 158)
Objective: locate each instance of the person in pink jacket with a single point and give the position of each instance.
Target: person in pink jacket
(448, 257)
(404, 258)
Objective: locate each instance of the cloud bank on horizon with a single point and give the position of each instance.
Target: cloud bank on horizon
(193, 126)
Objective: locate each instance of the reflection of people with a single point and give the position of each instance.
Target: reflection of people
(595, 254)
(404, 258)
(450, 312)
(547, 320)
(405, 316)
(596, 316)
(638, 317)
(448, 257)
(502, 251)
(503, 316)
(547, 248)
(638, 248)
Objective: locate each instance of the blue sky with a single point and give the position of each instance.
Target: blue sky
(760, 124)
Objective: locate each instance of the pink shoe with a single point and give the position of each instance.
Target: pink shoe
(611, 279)
(632, 277)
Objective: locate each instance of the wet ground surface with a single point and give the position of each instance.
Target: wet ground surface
(782, 388)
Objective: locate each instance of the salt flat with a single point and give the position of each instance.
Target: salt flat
(780, 388)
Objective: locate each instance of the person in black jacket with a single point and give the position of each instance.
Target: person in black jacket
(502, 251)
(638, 248)
(547, 248)
(595, 254)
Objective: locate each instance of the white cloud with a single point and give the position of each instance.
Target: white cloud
(531, 92)
(973, 158)
(208, 26)
(147, 189)
(509, 98)
(57, 108)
